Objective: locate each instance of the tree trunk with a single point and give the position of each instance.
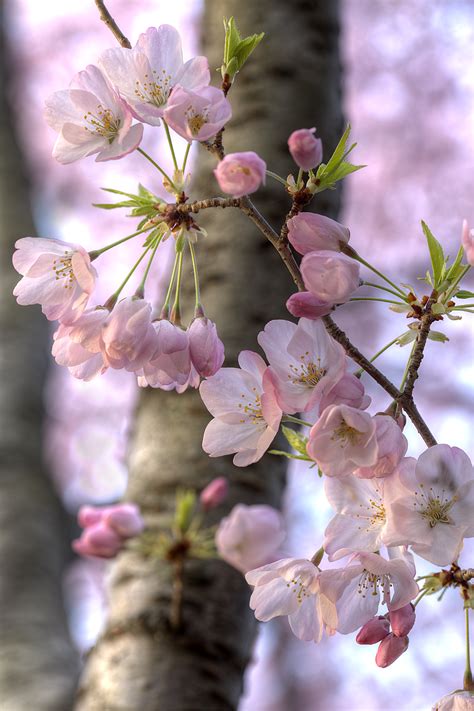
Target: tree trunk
(292, 81)
(37, 663)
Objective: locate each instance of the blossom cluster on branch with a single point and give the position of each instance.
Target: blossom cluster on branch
(388, 507)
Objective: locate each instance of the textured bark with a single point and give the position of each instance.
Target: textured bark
(139, 663)
(37, 662)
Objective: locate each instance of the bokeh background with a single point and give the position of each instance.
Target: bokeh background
(409, 95)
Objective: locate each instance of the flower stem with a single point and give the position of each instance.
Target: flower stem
(141, 288)
(297, 421)
(420, 597)
(170, 143)
(97, 252)
(468, 683)
(165, 307)
(112, 300)
(276, 177)
(376, 298)
(197, 305)
(165, 175)
(185, 159)
(379, 273)
(175, 311)
(453, 286)
(379, 353)
(380, 286)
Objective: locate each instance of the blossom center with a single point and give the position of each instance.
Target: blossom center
(373, 584)
(299, 589)
(195, 121)
(346, 434)
(434, 507)
(103, 123)
(307, 372)
(252, 410)
(155, 90)
(62, 268)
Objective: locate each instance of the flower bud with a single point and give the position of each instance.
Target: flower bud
(90, 515)
(98, 540)
(330, 276)
(375, 630)
(240, 173)
(467, 241)
(304, 305)
(205, 346)
(390, 649)
(402, 620)
(125, 519)
(310, 232)
(214, 493)
(305, 149)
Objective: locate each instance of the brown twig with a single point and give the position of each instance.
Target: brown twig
(418, 352)
(177, 594)
(107, 18)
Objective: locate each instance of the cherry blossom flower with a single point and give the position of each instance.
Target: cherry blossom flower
(244, 405)
(432, 509)
(197, 116)
(367, 580)
(79, 346)
(214, 493)
(171, 367)
(342, 440)
(305, 360)
(456, 701)
(305, 149)
(392, 446)
(146, 75)
(360, 520)
(290, 587)
(128, 337)
(240, 173)
(304, 304)
(250, 536)
(90, 118)
(58, 275)
(467, 241)
(310, 232)
(330, 276)
(349, 390)
(390, 649)
(205, 347)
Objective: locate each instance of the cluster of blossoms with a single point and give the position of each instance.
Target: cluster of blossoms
(386, 506)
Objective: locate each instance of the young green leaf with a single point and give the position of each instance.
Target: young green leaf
(463, 294)
(438, 260)
(295, 439)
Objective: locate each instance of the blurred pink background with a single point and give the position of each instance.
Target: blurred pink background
(409, 95)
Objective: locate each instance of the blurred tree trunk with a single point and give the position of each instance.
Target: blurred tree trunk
(292, 81)
(38, 665)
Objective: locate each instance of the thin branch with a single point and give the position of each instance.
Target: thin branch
(418, 351)
(107, 18)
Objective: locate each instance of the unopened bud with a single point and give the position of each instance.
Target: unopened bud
(375, 630)
(214, 493)
(390, 649)
(402, 620)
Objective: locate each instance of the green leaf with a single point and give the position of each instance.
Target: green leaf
(237, 49)
(245, 48)
(438, 260)
(185, 502)
(463, 294)
(112, 205)
(328, 174)
(437, 336)
(288, 455)
(455, 268)
(295, 439)
(119, 192)
(232, 39)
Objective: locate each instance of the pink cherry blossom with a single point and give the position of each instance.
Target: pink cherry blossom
(304, 304)
(390, 649)
(205, 347)
(244, 405)
(79, 345)
(214, 493)
(305, 149)
(305, 360)
(90, 118)
(342, 440)
(457, 701)
(58, 275)
(392, 446)
(128, 337)
(146, 75)
(240, 173)
(432, 509)
(106, 528)
(250, 536)
(467, 241)
(375, 630)
(330, 276)
(367, 580)
(290, 587)
(98, 540)
(402, 620)
(310, 232)
(348, 390)
(360, 518)
(170, 367)
(197, 116)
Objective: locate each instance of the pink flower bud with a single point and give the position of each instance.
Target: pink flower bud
(214, 493)
(90, 515)
(467, 241)
(347, 391)
(330, 276)
(125, 519)
(205, 346)
(240, 173)
(98, 540)
(305, 149)
(402, 620)
(373, 631)
(309, 232)
(304, 305)
(390, 649)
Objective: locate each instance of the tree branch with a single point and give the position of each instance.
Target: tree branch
(107, 18)
(418, 352)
